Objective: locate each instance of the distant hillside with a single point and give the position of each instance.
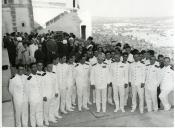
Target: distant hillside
(148, 20)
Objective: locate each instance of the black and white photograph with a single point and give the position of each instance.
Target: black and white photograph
(87, 63)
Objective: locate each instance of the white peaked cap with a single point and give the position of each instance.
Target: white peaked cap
(64, 41)
(71, 38)
(19, 39)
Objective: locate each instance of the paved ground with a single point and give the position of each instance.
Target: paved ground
(90, 118)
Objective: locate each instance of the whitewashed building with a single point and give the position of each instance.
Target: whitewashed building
(62, 15)
(17, 15)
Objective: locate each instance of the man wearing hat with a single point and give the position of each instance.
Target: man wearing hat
(62, 72)
(166, 83)
(82, 75)
(18, 90)
(100, 79)
(50, 92)
(137, 82)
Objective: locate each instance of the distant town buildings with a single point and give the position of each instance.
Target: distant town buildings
(17, 15)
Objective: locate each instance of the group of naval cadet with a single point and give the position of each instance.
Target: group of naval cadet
(64, 84)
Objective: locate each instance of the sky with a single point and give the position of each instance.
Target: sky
(129, 8)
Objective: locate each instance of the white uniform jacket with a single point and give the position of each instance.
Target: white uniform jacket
(62, 72)
(82, 74)
(17, 88)
(100, 75)
(152, 77)
(34, 88)
(137, 73)
(119, 73)
(70, 76)
(49, 85)
(166, 78)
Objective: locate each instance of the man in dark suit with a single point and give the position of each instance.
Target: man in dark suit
(11, 49)
(52, 49)
(39, 54)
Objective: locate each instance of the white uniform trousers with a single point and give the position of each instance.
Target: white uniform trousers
(82, 97)
(126, 95)
(110, 94)
(151, 99)
(74, 94)
(36, 114)
(63, 93)
(88, 93)
(49, 109)
(94, 95)
(164, 98)
(140, 91)
(119, 91)
(101, 95)
(21, 112)
(68, 98)
(57, 104)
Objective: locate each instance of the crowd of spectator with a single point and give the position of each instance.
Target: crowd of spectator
(24, 48)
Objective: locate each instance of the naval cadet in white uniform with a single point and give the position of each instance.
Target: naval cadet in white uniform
(119, 77)
(151, 84)
(109, 90)
(82, 78)
(128, 88)
(93, 61)
(50, 91)
(100, 79)
(137, 82)
(70, 84)
(62, 72)
(34, 90)
(74, 88)
(17, 88)
(166, 83)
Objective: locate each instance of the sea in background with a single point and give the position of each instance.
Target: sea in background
(142, 33)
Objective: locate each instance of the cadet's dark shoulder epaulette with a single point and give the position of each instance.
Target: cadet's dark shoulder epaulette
(142, 62)
(104, 63)
(172, 68)
(76, 65)
(94, 64)
(38, 74)
(157, 66)
(148, 65)
(43, 74)
(29, 77)
(12, 77)
(86, 63)
(26, 74)
(129, 62)
(112, 61)
(53, 72)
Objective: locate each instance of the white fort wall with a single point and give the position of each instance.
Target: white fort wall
(6, 21)
(70, 22)
(67, 23)
(17, 15)
(23, 17)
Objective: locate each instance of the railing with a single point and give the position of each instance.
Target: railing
(53, 20)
